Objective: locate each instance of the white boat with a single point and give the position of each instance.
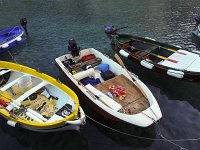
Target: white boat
(134, 104)
(35, 101)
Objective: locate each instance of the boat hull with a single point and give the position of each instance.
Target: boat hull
(164, 70)
(9, 38)
(72, 121)
(86, 99)
(141, 119)
(65, 127)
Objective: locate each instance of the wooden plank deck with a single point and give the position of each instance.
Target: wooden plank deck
(134, 101)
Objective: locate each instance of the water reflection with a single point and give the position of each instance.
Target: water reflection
(52, 23)
(40, 141)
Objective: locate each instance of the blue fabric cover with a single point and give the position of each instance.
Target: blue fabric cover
(103, 67)
(91, 81)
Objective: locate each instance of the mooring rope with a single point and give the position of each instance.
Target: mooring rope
(163, 138)
(12, 57)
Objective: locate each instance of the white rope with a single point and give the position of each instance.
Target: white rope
(12, 56)
(147, 138)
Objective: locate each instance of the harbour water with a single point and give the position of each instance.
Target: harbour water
(51, 23)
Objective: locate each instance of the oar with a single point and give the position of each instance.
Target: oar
(29, 112)
(162, 57)
(97, 97)
(119, 60)
(122, 64)
(169, 49)
(4, 105)
(159, 56)
(90, 92)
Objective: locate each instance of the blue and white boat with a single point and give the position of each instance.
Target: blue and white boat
(11, 37)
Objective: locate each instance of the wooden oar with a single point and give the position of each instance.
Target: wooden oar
(122, 64)
(97, 97)
(164, 58)
(29, 112)
(119, 60)
(159, 56)
(90, 92)
(169, 49)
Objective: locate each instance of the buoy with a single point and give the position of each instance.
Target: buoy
(175, 73)
(4, 45)
(146, 64)
(123, 53)
(19, 38)
(11, 123)
(150, 38)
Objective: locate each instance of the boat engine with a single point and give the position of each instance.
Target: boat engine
(73, 48)
(23, 22)
(110, 31)
(197, 19)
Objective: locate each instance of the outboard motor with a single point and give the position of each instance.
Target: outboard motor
(197, 19)
(110, 31)
(23, 22)
(72, 46)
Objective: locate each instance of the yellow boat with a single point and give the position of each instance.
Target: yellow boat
(35, 101)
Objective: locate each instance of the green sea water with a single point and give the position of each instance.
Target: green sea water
(51, 23)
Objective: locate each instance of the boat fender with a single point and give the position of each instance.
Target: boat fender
(175, 73)
(123, 53)
(84, 74)
(11, 123)
(150, 38)
(146, 64)
(19, 38)
(196, 52)
(75, 122)
(4, 45)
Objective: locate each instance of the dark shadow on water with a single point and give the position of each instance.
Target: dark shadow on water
(175, 89)
(126, 140)
(121, 139)
(96, 130)
(25, 139)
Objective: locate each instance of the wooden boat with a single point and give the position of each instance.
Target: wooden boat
(11, 37)
(123, 97)
(160, 57)
(36, 101)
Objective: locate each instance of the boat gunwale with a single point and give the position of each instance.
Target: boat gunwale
(13, 39)
(50, 80)
(155, 64)
(133, 118)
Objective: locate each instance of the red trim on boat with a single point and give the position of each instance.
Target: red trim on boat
(181, 53)
(174, 61)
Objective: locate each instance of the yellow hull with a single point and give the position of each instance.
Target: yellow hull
(52, 81)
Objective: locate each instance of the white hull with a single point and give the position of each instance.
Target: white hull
(142, 119)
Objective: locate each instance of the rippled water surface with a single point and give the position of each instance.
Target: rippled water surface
(51, 23)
